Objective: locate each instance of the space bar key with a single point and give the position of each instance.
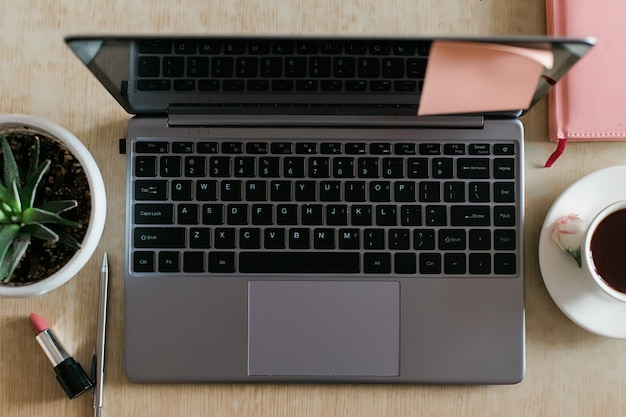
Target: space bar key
(299, 262)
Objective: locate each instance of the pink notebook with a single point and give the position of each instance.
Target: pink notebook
(589, 103)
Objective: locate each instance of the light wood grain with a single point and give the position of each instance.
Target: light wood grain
(570, 372)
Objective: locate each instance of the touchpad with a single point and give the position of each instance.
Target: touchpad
(324, 328)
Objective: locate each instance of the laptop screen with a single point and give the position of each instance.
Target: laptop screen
(281, 75)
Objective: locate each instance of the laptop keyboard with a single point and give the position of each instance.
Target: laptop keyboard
(275, 65)
(319, 207)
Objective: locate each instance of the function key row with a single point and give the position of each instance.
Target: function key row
(329, 148)
(284, 47)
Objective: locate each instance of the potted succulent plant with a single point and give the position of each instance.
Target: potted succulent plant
(52, 206)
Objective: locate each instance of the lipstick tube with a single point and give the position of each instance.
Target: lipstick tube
(69, 373)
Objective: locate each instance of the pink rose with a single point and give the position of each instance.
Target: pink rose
(568, 234)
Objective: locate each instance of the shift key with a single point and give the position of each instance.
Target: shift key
(159, 237)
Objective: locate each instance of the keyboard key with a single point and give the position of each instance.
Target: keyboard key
(374, 239)
(337, 215)
(324, 238)
(504, 216)
(170, 166)
(274, 238)
(143, 261)
(380, 191)
(504, 168)
(405, 263)
(207, 147)
(155, 46)
(150, 189)
(349, 239)
(299, 238)
(430, 149)
(250, 238)
(281, 148)
(212, 214)
(256, 190)
(404, 191)
(504, 239)
(262, 214)
(193, 262)
(405, 149)
(452, 239)
(361, 215)
(312, 214)
(305, 191)
(151, 147)
(436, 216)
(399, 239)
(377, 263)
(299, 262)
(173, 66)
(504, 149)
(206, 190)
(237, 214)
(330, 148)
(386, 215)
(470, 215)
(479, 149)
(306, 148)
(393, 167)
(187, 214)
(154, 214)
(223, 262)
(257, 148)
(504, 192)
(182, 190)
(148, 66)
(225, 238)
(454, 263)
(145, 166)
(430, 263)
(154, 85)
(480, 263)
(195, 166)
(480, 239)
(424, 239)
(169, 262)
(479, 192)
(473, 168)
(200, 238)
(159, 237)
(504, 264)
(411, 215)
(280, 191)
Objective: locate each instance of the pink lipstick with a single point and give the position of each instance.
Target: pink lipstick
(70, 373)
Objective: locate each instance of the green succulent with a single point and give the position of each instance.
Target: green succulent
(20, 219)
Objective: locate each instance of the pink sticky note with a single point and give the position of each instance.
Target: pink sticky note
(467, 77)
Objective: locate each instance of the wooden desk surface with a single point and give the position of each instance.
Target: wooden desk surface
(570, 372)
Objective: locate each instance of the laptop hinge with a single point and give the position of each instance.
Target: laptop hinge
(186, 116)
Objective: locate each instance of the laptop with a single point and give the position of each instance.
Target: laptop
(289, 218)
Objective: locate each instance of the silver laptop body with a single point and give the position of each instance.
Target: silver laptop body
(290, 219)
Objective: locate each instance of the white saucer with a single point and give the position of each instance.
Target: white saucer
(572, 291)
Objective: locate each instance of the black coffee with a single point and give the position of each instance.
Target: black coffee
(608, 249)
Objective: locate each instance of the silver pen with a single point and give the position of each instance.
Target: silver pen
(98, 360)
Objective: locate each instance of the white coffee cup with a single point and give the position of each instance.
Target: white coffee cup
(603, 251)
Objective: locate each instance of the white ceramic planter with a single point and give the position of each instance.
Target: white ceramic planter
(98, 205)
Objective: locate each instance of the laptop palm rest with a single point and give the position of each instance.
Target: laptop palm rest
(323, 328)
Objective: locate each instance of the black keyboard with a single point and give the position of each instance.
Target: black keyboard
(319, 207)
(277, 65)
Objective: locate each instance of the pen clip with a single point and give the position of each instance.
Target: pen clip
(92, 373)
